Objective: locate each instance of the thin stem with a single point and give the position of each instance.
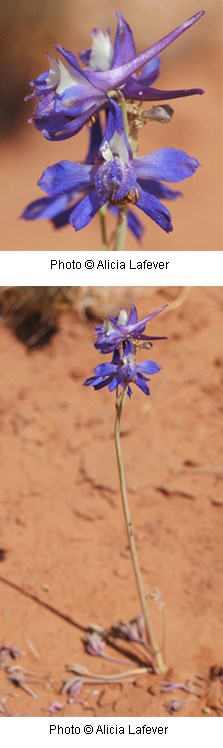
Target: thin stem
(121, 230)
(159, 664)
(102, 216)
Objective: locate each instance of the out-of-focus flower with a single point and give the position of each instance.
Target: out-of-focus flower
(72, 687)
(133, 631)
(69, 96)
(55, 707)
(122, 370)
(117, 180)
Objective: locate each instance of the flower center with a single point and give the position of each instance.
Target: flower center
(115, 182)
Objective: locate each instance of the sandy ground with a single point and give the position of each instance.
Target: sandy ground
(192, 61)
(64, 557)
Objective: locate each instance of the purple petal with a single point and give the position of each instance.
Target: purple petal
(85, 210)
(62, 219)
(114, 127)
(95, 142)
(150, 71)
(46, 207)
(159, 190)
(133, 315)
(58, 127)
(148, 367)
(155, 210)
(85, 56)
(113, 384)
(75, 102)
(106, 383)
(66, 177)
(135, 225)
(142, 385)
(135, 89)
(92, 381)
(116, 76)
(168, 164)
(103, 370)
(124, 48)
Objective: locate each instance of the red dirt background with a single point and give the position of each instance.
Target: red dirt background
(194, 60)
(62, 528)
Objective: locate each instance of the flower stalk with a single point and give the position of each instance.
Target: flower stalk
(102, 215)
(157, 656)
(121, 227)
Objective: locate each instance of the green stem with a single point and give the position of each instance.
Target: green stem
(102, 216)
(158, 662)
(121, 230)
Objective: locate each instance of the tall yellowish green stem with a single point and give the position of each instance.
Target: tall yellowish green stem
(156, 654)
(121, 229)
(102, 215)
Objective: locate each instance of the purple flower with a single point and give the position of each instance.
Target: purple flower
(103, 56)
(69, 96)
(122, 370)
(116, 330)
(58, 209)
(117, 179)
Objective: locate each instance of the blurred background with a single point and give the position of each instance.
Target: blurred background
(28, 29)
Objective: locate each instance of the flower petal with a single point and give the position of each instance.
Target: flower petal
(150, 71)
(62, 219)
(103, 370)
(159, 190)
(155, 210)
(124, 48)
(137, 89)
(116, 76)
(106, 383)
(133, 315)
(46, 207)
(142, 384)
(58, 126)
(95, 142)
(148, 367)
(85, 210)
(168, 164)
(66, 176)
(115, 135)
(135, 225)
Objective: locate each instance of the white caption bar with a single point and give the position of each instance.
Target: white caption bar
(93, 732)
(111, 268)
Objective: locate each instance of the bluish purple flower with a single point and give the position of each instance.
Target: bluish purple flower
(118, 179)
(103, 56)
(116, 330)
(69, 96)
(59, 209)
(122, 370)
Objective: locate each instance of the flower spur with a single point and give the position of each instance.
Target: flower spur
(69, 96)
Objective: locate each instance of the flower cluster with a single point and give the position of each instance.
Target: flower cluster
(112, 176)
(123, 336)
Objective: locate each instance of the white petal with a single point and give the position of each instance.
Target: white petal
(118, 147)
(68, 77)
(54, 73)
(102, 50)
(106, 151)
(122, 317)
